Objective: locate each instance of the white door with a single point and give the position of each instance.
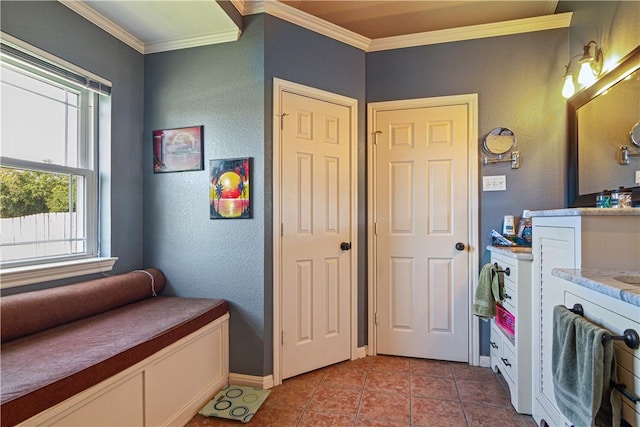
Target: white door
(315, 271)
(421, 214)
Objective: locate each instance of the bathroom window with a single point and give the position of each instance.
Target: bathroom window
(48, 165)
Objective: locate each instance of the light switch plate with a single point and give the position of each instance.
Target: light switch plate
(494, 183)
(637, 181)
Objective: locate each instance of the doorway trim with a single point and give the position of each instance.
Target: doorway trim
(471, 101)
(280, 86)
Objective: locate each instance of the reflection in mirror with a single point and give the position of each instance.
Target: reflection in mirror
(604, 124)
(600, 119)
(634, 135)
(499, 141)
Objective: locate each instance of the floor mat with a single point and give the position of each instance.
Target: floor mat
(235, 403)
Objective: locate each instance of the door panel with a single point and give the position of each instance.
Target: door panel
(316, 213)
(421, 212)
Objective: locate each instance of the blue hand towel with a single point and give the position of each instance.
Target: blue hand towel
(582, 367)
(487, 293)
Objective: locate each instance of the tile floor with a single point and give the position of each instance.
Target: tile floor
(387, 391)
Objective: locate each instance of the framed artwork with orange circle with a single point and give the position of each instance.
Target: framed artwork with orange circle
(230, 188)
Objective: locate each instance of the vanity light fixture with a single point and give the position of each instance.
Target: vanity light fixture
(590, 68)
(568, 88)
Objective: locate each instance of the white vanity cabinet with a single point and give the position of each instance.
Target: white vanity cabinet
(573, 239)
(511, 355)
(616, 316)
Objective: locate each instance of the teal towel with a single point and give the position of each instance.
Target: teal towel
(582, 367)
(489, 291)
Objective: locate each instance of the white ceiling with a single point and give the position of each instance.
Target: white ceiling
(161, 25)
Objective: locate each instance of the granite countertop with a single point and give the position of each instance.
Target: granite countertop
(603, 281)
(588, 211)
(517, 252)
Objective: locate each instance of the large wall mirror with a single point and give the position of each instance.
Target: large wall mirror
(601, 119)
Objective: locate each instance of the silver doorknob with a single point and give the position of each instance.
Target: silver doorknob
(345, 246)
(460, 246)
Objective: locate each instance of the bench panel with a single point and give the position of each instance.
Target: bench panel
(167, 388)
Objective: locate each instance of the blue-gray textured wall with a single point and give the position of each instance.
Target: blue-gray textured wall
(58, 30)
(228, 88)
(221, 87)
(298, 55)
(614, 25)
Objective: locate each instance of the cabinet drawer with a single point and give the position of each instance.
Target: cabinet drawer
(508, 362)
(510, 299)
(495, 342)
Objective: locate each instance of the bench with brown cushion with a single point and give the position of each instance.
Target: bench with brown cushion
(61, 341)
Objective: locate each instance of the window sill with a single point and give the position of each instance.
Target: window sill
(20, 276)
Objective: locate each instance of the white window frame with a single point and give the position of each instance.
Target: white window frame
(24, 272)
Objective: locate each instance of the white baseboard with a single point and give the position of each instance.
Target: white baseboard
(266, 382)
(261, 383)
(485, 361)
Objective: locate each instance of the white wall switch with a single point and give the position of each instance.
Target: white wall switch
(494, 183)
(637, 181)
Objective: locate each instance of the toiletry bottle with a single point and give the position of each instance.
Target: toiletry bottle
(524, 229)
(603, 199)
(508, 229)
(527, 232)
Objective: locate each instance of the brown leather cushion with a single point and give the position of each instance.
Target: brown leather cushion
(29, 312)
(41, 370)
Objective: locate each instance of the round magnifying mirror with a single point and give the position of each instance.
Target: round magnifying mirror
(634, 135)
(499, 141)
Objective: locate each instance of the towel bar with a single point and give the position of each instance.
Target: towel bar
(630, 336)
(626, 393)
(506, 271)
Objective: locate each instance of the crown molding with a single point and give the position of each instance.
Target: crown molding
(312, 23)
(246, 7)
(217, 38)
(91, 15)
(496, 29)
(320, 26)
(82, 9)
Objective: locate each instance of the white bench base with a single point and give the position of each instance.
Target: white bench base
(167, 388)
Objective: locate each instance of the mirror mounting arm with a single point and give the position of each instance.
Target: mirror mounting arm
(624, 155)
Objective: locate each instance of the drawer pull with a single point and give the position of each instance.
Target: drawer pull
(626, 393)
(506, 296)
(493, 344)
(505, 361)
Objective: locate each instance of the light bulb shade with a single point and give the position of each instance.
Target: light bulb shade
(586, 76)
(568, 89)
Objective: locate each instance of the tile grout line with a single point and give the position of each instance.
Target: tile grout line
(362, 389)
(455, 382)
(411, 392)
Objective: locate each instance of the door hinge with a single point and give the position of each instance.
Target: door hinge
(282, 120)
(281, 337)
(376, 318)
(375, 228)
(281, 229)
(375, 137)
